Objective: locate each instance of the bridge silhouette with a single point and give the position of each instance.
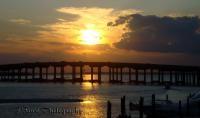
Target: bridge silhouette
(165, 74)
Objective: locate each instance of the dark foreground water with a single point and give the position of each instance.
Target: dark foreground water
(94, 98)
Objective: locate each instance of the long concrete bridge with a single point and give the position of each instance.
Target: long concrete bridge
(159, 74)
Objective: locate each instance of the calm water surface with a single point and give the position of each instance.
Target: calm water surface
(95, 97)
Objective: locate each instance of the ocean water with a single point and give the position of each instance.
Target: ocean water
(94, 96)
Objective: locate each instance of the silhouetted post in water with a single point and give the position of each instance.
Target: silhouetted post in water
(199, 108)
(47, 73)
(167, 97)
(151, 76)
(129, 73)
(92, 73)
(99, 74)
(141, 107)
(121, 74)
(136, 76)
(109, 106)
(123, 106)
(110, 74)
(73, 73)
(153, 99)
(144, 76)
(188, 106)
(55, 73)
(180, 109)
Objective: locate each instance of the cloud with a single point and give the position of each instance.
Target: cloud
(20, 21)
(70, 31)
(160, 34)
(15, 31)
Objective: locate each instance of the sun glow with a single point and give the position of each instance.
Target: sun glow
(90, 36)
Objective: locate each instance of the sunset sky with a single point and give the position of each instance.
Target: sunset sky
(144, 31)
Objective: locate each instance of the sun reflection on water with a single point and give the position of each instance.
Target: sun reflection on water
(89, 86)
(91, 107)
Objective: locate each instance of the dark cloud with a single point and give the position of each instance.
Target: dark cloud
(160, 34)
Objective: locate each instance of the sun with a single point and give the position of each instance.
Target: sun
(90, 36)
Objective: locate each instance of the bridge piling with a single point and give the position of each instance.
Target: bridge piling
(161, 74)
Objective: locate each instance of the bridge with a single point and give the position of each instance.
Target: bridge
(137, 73)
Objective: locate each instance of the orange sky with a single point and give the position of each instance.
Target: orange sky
(78, 31)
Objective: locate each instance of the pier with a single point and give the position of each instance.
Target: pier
(137, 73)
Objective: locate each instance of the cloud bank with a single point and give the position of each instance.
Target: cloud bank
(160, 34)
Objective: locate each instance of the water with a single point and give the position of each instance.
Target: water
(95, 98)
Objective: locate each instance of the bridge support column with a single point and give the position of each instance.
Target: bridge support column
(193, 79)
(144, 76)
(186, 78)
(198, 78)
(136, 76)
(0, 75)
(19, 74)
(47, 73)
(151, 76)
(129, 73)
(176, 77)
(73, 73)
(121, 74)
(40, 73)
(159, 77)
(54, 73)
(92, 74)
(189, 78)
(26, 73)
(33, 73)
(183, 77)
(62, 72)
(117, 74)
(99, 74)
(7, 75)
(110, 76)
(81, 73)
(162, 77)
(113, 74)
(171, 77)
(13, 74)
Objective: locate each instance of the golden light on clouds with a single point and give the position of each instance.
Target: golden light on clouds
(90, 27)
(85, 29)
